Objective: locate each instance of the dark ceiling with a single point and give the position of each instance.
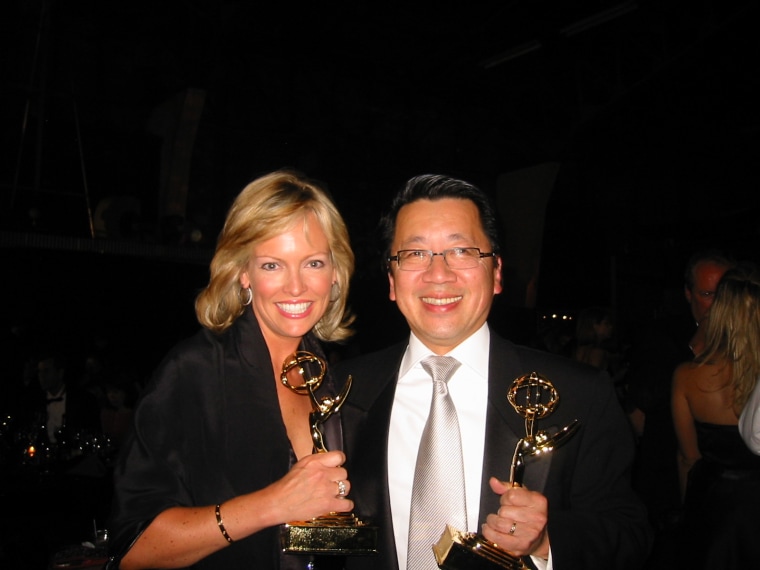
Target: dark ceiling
(648, 107)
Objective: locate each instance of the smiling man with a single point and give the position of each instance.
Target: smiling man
(443, 306)
(576, 508)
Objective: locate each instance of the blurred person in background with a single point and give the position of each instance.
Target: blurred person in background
(719, 476)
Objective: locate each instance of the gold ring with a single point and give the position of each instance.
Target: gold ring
(514, 526)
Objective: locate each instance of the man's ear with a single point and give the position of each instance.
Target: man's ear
(497, 285)
(392, 283)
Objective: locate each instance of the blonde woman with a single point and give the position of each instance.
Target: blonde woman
(719, 475)
(221, 450)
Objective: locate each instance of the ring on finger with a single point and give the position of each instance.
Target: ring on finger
(514, 527)
(341, 489)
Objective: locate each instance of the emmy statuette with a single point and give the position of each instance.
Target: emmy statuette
(533, 397)
(332, 533)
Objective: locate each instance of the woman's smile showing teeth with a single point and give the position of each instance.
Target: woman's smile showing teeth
(294, 308)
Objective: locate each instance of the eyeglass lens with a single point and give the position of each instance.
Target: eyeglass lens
(456, 258)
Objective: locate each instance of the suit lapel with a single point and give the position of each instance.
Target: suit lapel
(366, 417)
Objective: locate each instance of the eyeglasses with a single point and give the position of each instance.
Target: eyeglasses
(455, 257)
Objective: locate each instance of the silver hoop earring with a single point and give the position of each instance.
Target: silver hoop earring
(334, 292)
(250, 296)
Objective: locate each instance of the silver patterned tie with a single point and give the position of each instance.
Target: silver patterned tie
(438, 494)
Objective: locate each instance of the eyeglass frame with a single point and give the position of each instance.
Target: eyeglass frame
(443, 253)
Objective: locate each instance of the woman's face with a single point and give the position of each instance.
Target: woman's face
(290, 277)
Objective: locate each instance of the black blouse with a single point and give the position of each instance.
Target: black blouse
(207, 429)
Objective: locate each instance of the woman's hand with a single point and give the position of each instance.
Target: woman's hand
(180, 536)
(311, 488)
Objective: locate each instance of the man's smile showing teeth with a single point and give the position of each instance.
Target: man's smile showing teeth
(294, 308)
(443, 301)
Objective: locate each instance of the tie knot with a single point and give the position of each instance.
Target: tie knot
(441, 368)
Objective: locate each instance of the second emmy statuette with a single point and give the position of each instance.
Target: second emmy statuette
(332, 533)
(533, 397)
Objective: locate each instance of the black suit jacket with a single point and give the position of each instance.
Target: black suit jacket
(595, 519)
(82, 411)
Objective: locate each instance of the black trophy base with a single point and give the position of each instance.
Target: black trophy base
(465, 550)
(337, 533)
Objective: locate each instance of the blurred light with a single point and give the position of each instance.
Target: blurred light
(512, 53)
(598, 19)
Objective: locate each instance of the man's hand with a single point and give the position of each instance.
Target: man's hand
(519, 526)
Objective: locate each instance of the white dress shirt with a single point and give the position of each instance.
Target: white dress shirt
(55, 412)
(749, 420)
(411, 405)
(469, 391)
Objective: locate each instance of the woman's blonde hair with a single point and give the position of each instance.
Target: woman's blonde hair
(732, 332)
(264, 209)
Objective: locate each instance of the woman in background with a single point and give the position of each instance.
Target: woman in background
(719, 476)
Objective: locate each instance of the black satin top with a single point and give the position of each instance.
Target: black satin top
(721, 504)
(723, 446)
(209, 428)
(725, 460)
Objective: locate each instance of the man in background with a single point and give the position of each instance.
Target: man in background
(657, 349)
(64, 408)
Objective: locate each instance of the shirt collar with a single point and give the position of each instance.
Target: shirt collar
(472, 352)
(61, 393)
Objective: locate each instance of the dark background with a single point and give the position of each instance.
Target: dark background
(114, 113)
(127, 128)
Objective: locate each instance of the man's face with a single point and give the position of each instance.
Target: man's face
(707, 275)
(443, 306)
